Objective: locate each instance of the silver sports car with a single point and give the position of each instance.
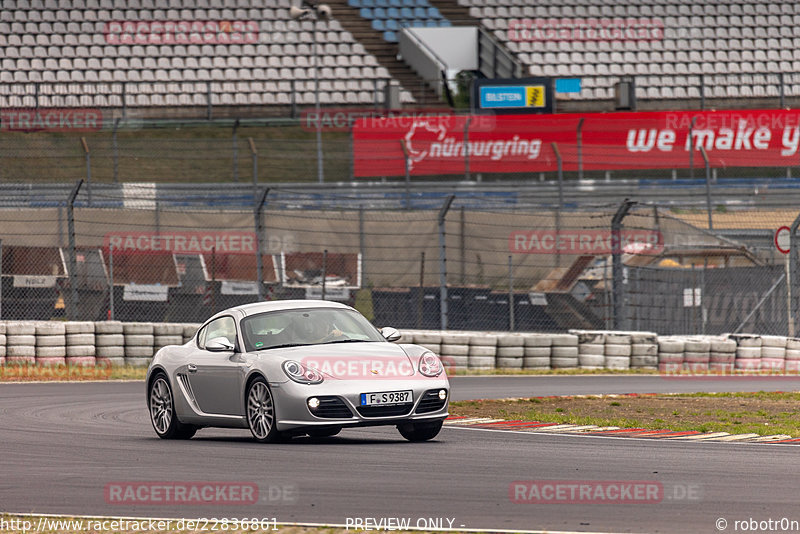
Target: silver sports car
(295, 367)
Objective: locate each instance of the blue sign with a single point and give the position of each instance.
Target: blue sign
(503, 96)
(568, 85)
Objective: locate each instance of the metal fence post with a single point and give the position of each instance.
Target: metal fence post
(782, 89)
(362, 246)
(110, 282)
(616, 261)
(579, 141)
(73, 281)
(691, 147)
(257, 213)
(560, 195)
(510, 294)
(254, 155)
(88, 169)
(324, 270)
(443, 263)
(407, 165)
(794, 242)
(467, 175)
(421, 297)
(115, 149)
(236, 150)
(708, 187)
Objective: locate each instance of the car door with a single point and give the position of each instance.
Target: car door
(216, 377)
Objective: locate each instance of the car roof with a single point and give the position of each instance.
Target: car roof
(274, 305)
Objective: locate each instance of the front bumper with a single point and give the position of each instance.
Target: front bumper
(293, 412)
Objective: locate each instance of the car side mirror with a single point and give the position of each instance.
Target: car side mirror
(391, 334)
(219, 344)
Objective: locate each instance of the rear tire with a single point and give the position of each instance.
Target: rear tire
(420, 431)
(162, 411)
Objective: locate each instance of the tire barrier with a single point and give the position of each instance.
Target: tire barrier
(139, 343)
(118, 343)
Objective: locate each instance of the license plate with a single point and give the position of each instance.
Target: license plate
(386, 398)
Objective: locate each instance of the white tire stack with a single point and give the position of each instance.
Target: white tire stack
(139, 342)
(510, 351)
(430, 340)
(670, 354)
(20, 343)
(165, 334)
(773, 353)
(618, 350)
(723, 355)
(697, 354)
(748, 351)
(482, 351)
(564, 351)
(109, 343)
(591, 349)
(792, 364)
(537, 351)
(2, 343)
(644, 350)
(189, 330)
(51, 343)
(80, 343)
(455, 351)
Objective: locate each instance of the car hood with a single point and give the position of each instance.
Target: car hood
(355, 361)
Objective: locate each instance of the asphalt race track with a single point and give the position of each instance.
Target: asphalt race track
(63, 443)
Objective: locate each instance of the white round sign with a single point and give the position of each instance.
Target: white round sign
(782, 239)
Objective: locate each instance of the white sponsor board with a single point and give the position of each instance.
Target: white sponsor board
(331, 293)
(32, 280)
(239, 288)
(145, 292)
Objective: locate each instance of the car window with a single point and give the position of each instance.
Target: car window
(221, 327)
(307, 326)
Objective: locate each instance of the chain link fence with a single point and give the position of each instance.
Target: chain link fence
(471, 261)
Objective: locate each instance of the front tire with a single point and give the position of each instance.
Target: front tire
(420, 431)
(162, 411)
(261, 412)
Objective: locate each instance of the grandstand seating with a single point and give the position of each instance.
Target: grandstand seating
(64, 46)
(738, 48)
(734, 49)
(388, 16)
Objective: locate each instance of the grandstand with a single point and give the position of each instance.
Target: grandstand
(250, 54)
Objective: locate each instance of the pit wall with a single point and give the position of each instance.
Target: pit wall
(115, 343)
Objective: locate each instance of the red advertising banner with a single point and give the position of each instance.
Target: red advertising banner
(528, 143)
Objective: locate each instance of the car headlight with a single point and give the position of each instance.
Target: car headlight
(429, 365)
(300, 373)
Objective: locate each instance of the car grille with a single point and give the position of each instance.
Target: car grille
(332, 408)
(384, 411)
(430, 402)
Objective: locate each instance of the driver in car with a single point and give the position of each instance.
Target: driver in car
(315, 331)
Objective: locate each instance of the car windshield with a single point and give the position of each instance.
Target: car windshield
(307, 326)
